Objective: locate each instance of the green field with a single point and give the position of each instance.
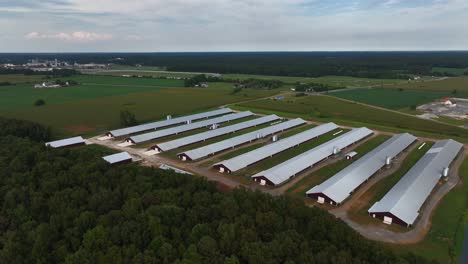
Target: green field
(455, 71)
(326, 109)
(446, 85)
(328, 171)
(393, 98)
(20, 78)
(124, 81)
(100, 114)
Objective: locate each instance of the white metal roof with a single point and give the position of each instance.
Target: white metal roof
(246, 159)
(177, 143)
(407, 196)
(165, 123)
(239, 140)
(179, 129)
(116, 158)
(340, 186)
(168, 167)
(65, 142)
(282, 172)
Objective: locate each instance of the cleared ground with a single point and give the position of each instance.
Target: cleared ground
(460, 84)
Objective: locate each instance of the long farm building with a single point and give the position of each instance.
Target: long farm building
(290, 168)
(339, 187)
(403, 202)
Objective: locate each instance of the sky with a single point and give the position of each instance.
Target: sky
(232, 25)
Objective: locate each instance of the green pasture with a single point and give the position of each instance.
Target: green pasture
(460, 84)
(327, 108)
(21, 78)
(124, 81)
(98, 114)
(393, 98)
(455, 71)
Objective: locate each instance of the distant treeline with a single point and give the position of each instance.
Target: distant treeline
(69, 206)
(309, 64)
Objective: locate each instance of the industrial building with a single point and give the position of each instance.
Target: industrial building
(339, 187)
(180, 142)
(254, 156)
(402, 204)
(68, 142)
(119, 158)
(205, 151)
(290, 168)
(188, 127)
(165, 123)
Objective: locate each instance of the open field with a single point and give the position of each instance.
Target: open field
(23, 96)
(446, 85)
(455, 71)
(20, 78)
(328, 171)
(326, 109)
(124, 81)
(96, 115)
(394, 98)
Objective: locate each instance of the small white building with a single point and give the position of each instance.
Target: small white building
(351, 155)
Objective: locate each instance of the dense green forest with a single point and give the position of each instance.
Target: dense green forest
(310, 64)
(69, 206)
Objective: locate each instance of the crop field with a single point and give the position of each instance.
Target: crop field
(327, 108)
(445, 238)
(393, 98)
(89, 110)
(328, 171)
(24, 95)
(460, 84)
(124, 81)
(20, 78)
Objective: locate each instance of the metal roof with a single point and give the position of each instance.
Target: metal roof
(165, 123)
(282, 172)
(177, 143)
(340, 186)
(244, 160)
(65, 142)
(179, 129)
(168, 167)
(239, 140)
(116, 158)
(407, 196)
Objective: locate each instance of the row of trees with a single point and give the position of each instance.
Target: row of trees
(314, 87)
(69, 206)
(199, 79)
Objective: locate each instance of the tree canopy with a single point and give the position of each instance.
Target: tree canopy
(69, 206)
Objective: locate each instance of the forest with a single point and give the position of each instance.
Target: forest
(307, 64)
(69, 206)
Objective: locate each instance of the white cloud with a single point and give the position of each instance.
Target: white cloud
(77, 36)
(207, 25)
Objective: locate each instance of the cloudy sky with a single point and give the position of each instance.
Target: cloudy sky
(232, 25)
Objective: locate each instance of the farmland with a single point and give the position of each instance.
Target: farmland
(452, 71)
(94, 105)
(20, 78)
(460, 84)
(326, 108)
(394, 98)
